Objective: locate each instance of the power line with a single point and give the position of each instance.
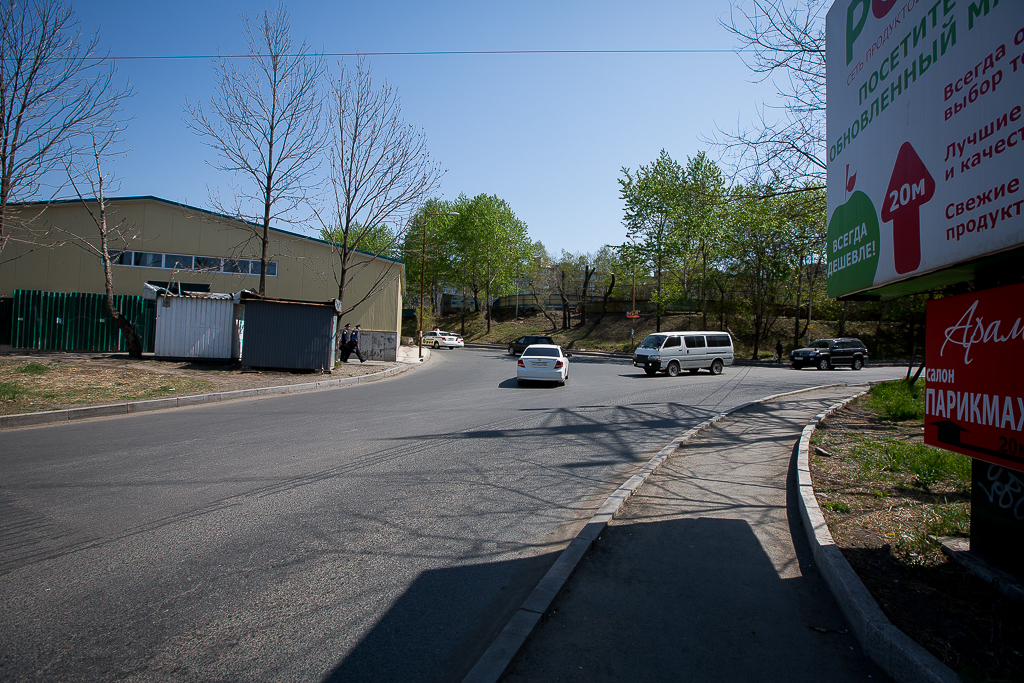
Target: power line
(432, 53)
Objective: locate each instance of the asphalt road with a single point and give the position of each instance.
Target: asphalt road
(378, 532)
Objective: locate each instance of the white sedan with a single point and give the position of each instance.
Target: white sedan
(439, 339)
(543, 363)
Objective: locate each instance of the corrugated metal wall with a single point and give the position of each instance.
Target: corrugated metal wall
(287, 335)
(73, 321)
(194, 327)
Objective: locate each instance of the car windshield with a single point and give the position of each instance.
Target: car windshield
(821, 344)
(541, 351)
(653, 341)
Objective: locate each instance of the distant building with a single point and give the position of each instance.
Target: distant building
(190, 249)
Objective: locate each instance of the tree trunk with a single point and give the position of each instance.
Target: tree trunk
(704, 289)
(123, 324)
(878, 329)
(842, 322)
(604, 303)
(565, 300)
(587, 274)
(796, 312)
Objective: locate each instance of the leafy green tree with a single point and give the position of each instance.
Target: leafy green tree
(653, 198)
(490, 246)
(426, 250)
(761, 262)
(702, 210)
(379, 240)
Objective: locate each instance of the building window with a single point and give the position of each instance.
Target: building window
(177, 261)
(234, 265)
(208, 263)
(204, 264)
(145, 259)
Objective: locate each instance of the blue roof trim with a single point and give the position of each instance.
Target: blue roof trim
(207, 212)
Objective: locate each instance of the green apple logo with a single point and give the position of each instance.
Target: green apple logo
(853, 242)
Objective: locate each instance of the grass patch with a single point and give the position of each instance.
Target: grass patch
(897, 401)
(33, 369)
(950, 519)
(9, 391)
(58, 385)
(837, 506)
(164, 390)
(929, 466)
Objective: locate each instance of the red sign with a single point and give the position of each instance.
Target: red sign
(910, 186)
(974, 401)
(632, 314)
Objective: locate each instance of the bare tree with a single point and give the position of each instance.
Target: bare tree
(381, 173)
(86, 170)
(53, 89)
(787, 45)
(265, 123)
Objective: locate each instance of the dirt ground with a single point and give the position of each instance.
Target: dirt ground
(882, 525)
(53, 380)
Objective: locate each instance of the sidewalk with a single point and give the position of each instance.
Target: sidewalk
(705, 574)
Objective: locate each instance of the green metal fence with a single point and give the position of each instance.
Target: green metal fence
(71, 321)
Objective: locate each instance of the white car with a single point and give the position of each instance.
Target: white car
(543, 363)
(438, 339)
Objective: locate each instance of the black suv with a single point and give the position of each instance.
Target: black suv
(519, 345)
(826, 354)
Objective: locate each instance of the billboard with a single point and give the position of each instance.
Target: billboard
(925, 136)
(974, 401)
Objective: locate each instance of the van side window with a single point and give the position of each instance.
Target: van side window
(695, 342)
(672, 341)
(718, 340)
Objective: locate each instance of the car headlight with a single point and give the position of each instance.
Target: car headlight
(653, 357)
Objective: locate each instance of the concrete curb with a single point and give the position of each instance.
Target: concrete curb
(132, 407)
(898, 655)
(496, 659)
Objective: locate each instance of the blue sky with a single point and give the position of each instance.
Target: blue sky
(549, 133)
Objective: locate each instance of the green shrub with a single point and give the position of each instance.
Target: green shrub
(897, 401)
(33, 369)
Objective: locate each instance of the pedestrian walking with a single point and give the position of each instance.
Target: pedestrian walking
(354, 344)
(778, 351)
(346, 341)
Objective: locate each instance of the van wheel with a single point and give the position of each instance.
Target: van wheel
(858, 363)
(650, 372)
(673, 369)
(716, 367)
(694, 371)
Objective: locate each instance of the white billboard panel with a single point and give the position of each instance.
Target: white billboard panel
(925, 136)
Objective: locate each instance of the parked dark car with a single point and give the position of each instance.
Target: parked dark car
(826, 354)
(519, 345)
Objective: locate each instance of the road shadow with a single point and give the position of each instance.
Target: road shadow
(439, 628)
(691, 599)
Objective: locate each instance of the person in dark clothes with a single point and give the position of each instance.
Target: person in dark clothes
(353, 344)
(346, 341)
(778, 351)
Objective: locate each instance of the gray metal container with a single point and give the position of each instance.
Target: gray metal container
(289, 335)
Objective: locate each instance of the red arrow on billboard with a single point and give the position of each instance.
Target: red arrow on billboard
(910, 186)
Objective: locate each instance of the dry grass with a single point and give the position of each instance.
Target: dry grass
(35, 386)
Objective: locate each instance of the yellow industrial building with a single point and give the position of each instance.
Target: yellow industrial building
(191, 249)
